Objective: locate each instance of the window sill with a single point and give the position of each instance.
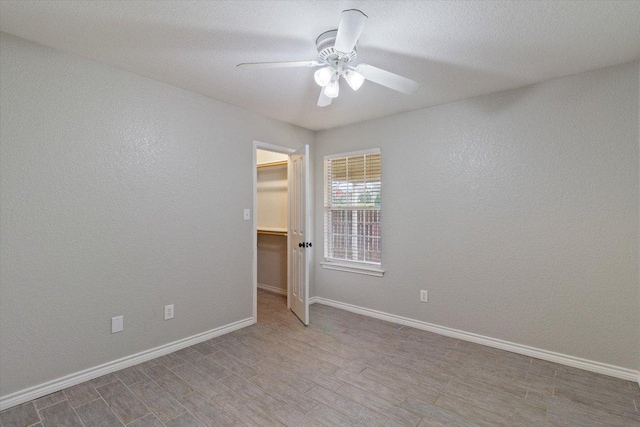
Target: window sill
(369, 270)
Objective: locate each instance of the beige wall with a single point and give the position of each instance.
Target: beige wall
(272, 197)
(272, 262)
(517, 211)
(119, 195)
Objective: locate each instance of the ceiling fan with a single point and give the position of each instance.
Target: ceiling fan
(336, 50)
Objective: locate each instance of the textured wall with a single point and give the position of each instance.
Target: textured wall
(518, 211)
(119, 195)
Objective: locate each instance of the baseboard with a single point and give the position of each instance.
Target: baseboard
(58, 384)
(273, 289)
(538, 353)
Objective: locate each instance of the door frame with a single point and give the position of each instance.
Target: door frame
(259, 145)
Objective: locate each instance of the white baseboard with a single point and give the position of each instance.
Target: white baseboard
(273, 289)
(58, 384)
(538, 353)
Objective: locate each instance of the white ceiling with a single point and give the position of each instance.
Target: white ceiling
(455, 50)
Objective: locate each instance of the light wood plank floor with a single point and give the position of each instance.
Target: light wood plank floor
(343, 370)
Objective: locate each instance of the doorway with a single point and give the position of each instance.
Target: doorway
(271, 223)
(281, 246)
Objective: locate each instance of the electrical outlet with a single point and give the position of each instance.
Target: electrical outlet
(247, 214)
(424, 297)
(117, 324)
(168, 312)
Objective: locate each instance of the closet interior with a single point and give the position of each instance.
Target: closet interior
(272, 221)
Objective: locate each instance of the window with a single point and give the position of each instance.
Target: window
(352, 240)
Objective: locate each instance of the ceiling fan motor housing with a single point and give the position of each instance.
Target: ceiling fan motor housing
(325, 44)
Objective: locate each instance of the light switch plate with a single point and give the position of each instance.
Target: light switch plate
(117, 324)
(247, 214)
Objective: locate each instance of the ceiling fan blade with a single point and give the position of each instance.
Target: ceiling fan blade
(282, 64)
(324, 100)
(388, 79)
(351, 25)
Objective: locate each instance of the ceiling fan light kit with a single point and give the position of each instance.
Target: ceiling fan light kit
(336, 49)
(332, 90)
(323, 76)
(354, 79)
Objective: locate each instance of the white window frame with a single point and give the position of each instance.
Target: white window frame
(338, 264)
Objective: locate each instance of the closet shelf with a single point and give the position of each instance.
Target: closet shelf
(266, 232)
(272, 164)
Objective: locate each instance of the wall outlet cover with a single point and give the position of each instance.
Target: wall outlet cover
(168, 312)
(424, 296)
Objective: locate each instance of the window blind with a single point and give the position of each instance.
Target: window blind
(352, 208)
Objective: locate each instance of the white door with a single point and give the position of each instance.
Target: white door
(299, 224)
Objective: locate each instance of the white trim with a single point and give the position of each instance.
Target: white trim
(273, 289)
(58, 384)
(352, 153)
(538, 353)
(367, 269)
(254, 260)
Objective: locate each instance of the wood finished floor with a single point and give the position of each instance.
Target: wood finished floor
(342, 370)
